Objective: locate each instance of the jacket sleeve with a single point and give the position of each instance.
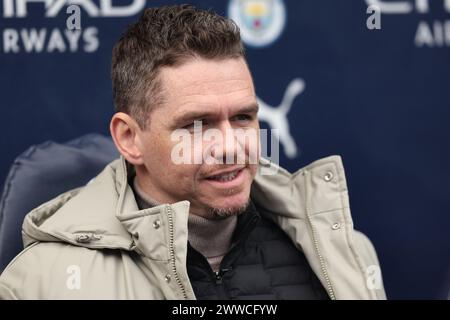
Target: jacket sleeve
(6, 293)
(20, 277)
(374, 279)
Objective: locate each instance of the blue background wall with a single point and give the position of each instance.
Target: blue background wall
(380, 98)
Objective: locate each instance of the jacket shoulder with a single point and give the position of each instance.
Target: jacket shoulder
(43, 269)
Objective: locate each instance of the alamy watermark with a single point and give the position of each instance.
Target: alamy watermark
(373, 277)
(73, 281)
(373, 22)
(236, 146)
(73, 22)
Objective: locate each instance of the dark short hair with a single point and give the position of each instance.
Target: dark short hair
(165, 36)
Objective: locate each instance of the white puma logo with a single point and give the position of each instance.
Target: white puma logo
(276, 117)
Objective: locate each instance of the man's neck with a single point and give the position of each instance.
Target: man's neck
(143, 199)
(210, 237)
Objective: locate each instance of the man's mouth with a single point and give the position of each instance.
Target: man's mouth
(226, 176)
(227, 179)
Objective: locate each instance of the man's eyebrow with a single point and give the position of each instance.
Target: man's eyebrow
(191, 115)
(194, 115)
(249, 109)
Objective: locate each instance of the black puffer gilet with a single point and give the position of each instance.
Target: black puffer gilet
(262, 263)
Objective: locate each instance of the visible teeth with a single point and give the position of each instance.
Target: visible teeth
(226, 177)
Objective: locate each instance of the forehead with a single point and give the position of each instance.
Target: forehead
(211, 84)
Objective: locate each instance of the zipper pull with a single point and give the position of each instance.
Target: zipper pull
(219, 274)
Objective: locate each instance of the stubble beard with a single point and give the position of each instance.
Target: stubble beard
(223, 213)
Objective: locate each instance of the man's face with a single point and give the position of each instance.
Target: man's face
(220, 94)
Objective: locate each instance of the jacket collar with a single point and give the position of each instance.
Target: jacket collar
(84, 215)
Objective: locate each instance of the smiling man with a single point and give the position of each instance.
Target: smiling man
(212, 226)
(218, 92)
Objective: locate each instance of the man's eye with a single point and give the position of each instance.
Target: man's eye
(196, 125)
(189, 126)
(243, 117)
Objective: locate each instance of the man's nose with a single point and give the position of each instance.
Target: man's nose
(226, 149)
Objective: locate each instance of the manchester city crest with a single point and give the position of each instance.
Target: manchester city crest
(261, 21)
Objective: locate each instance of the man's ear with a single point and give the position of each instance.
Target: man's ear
(125, 133)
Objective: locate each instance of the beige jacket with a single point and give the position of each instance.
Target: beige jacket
(94, 242)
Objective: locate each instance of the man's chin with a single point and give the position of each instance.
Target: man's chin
(222, 212)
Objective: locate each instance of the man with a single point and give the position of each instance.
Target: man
(153, 227)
